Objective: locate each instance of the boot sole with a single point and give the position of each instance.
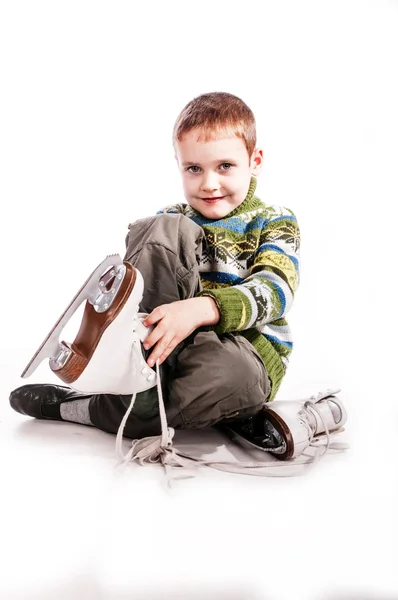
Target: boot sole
(281, 426)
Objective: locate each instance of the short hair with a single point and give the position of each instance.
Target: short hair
(218, 113)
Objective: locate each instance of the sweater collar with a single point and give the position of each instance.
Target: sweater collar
(249, 203)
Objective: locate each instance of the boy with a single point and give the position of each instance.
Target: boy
(220, 275)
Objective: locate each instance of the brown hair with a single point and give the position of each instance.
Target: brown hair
(220, 113)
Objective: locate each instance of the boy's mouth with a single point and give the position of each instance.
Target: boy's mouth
(213, 200)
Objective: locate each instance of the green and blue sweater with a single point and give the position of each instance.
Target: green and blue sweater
(251, 268)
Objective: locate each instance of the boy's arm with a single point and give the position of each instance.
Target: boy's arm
(268, 293)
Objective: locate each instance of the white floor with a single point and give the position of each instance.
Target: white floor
(75, 527)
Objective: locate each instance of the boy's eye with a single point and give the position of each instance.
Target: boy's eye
(196, 169)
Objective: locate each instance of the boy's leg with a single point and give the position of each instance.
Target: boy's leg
(166, 249)
(207, 378)
(211, 379)
(216, 378)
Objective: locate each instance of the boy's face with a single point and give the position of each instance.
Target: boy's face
(215, 174)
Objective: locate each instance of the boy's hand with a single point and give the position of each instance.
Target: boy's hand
(176, 321)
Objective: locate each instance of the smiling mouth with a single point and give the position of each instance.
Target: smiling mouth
(211, 200)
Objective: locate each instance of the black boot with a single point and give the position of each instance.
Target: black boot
(43, 400)
(258, 430)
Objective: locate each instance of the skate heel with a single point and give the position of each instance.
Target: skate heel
(114, 287)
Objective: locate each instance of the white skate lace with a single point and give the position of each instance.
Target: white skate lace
(317, 441)
(160, 449)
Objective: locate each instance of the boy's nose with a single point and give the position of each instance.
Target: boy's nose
(210, 183)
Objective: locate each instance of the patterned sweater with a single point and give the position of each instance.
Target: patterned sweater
(251, 268)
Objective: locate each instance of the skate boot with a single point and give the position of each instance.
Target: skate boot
(285, 428)
(106, 356)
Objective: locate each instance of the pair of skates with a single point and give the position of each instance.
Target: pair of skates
(106, 357)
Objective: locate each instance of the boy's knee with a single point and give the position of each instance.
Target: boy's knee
(248, 370)
(218, 378)
(174, 232)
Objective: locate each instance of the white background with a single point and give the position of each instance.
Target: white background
(89, 95)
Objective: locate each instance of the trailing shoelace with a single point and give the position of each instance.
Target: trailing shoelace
(316, 441)
(160, 449)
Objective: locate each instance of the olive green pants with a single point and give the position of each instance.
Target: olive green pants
(208, 377)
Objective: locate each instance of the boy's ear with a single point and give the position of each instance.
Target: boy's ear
(256, 162)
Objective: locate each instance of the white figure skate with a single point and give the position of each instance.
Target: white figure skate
(286, 428)
(106, 355)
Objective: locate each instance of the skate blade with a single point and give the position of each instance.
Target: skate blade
(88, 291)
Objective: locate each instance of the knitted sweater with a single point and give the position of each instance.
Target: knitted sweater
(251, 268)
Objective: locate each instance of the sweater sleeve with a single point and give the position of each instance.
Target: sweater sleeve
(267, 293)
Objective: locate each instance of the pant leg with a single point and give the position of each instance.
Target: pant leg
(166, 249)
(216, 378)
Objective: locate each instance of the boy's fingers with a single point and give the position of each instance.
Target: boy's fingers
(154, 316)
(167, 352)
(149, 320)
(157, 333)
(152, 339)
(162, 350)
